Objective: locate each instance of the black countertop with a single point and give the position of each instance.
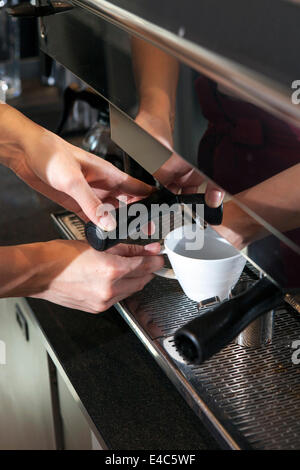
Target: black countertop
(126, 395)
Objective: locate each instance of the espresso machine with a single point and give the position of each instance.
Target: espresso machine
(207, 93)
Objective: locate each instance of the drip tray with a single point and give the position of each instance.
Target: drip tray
(247, 397)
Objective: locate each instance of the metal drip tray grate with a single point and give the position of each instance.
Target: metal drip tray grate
(248, 397)
(257, 390)
(162, 307)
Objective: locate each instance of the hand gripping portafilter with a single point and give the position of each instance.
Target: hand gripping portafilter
(207, 334)
(102, 240)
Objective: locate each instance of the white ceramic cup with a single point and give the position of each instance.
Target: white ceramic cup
(212, 270)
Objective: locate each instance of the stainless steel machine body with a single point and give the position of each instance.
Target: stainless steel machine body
(247, 397)
(233, 114)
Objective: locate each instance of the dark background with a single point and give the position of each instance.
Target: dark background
(29, 38)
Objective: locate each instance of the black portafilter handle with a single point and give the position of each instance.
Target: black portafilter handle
(102, 240)
(207, 334)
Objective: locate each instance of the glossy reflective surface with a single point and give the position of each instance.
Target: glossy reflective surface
(237, 146)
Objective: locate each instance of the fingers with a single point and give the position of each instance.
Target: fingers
(111, 178)
(135, 187)
(141, 265)
(94, 209)
(135, 261)
(214, 195)
(86, 198)
(106, 217)
(103, 176)
(121, 289)
(135, 250)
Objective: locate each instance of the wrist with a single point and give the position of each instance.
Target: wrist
(158, 125)
(238, 227)
(48, 260)
(156, 103)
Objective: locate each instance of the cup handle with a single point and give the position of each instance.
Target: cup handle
(165, 272)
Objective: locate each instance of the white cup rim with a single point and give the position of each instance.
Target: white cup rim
(209, 261)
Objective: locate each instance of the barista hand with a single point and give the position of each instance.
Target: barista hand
(176, 174)
(72, 274)
(73, 178)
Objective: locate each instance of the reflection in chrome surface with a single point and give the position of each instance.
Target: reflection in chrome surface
(197, 121)
(239, 148)
(246, 151)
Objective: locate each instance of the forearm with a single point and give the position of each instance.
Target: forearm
(25, 270)
(156, 74)
(276, 201)
(238, 227)
(17, 132)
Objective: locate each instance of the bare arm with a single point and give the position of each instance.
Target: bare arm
(276, 200)
(75, 179)
(72, 274)
(156, 74)
(19, 270)
(69, 273)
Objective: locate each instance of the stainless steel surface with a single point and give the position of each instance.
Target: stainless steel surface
(136, 142)
(258, 332)
(248, 397)
(211, 126)
(257, 390)
(208, 302)
(248, 84)
(252, 392)
(70, 225)
(294, 301)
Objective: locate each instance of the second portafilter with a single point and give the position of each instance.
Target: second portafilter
(207, 334)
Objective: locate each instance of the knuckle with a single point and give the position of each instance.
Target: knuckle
(159, 262)
(134, 250)
(71, 182)
(101, 308)
(112, 272)
(143, 282)
(98, 306)
(93, 203)
(121, 178)
(107, 293)
(138, 262)
(95, 310)
(154, 263)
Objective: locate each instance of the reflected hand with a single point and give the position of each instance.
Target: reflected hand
(176, 173)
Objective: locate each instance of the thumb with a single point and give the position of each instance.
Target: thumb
(92, 206)
(214, 195)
